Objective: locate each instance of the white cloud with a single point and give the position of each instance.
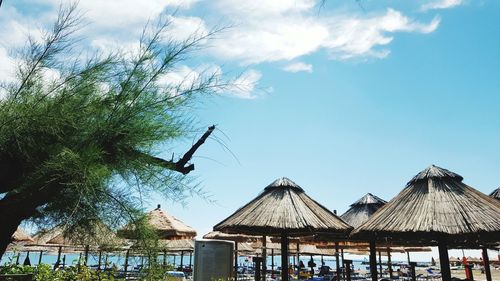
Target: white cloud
(441, 4)
(244, 86)
(298, 66)
(264, 32)
(360, 37)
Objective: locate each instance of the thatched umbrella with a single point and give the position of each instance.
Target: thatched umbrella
(361, 210)
(496, 193)
(165, 225)
(435, 207)
(20, 236)
(283, 209)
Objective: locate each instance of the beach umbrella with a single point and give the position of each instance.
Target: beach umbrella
(283, 209)
(496, 193)
(20, 236)
(435, 208)
(166, 226)
(361, 210)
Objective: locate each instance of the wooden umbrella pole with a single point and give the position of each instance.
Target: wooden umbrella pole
(373, 261)
(99, 261)
(190, 259)
(87, 249)
(272, 263)
(486, 261)
(264, 258)
(380, 264)
(284, 258)
(343, 263)
(182, 261)
(40, 257)
(337, 262)
(126, 263)
(444, 261)
(298, 259)
(389, 262)
(235, 261)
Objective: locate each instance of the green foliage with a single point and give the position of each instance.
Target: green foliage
(79, 148)
(44, 272)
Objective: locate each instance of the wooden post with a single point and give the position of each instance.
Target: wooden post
(58, 261)
(126, 263)
(284, 258)
(413, 273)
(408, 256)
(105, 262)
(272, 263)
(191, 260)
(182, 261)
(264, 258)
(380, 264)
(348, 264)
(174, 260)
(486, 261)
(343, 264)
(64, 261)
(235, 260)
(99, 261)
(40, 258)
(337, 261)
(298, 259)
(444, 261)
(373, 261)
(164, 257)
(87, 248)
(389, 262)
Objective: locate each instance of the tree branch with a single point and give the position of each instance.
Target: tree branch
(182, 165)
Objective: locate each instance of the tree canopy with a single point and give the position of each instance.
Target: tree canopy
(81, 145)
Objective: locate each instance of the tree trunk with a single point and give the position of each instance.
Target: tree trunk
(14, 208)
(9, 221)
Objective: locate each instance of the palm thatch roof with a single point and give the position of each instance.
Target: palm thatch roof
(231, 237)
(45, 235)
(178, 245)
(283, 207)
(361, 210)
(435, 205)
(165, 225)
(101, 237)
(20, 236)
(496, 193)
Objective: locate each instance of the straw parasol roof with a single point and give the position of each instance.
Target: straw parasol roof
(166, 226)
(283, 207)
(178, 245)
(496, 193)
(361, 210)
(102, 237)
(436, 205)
(231, 237)
(20, 236)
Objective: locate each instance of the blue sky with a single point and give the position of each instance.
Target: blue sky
(343, 99)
